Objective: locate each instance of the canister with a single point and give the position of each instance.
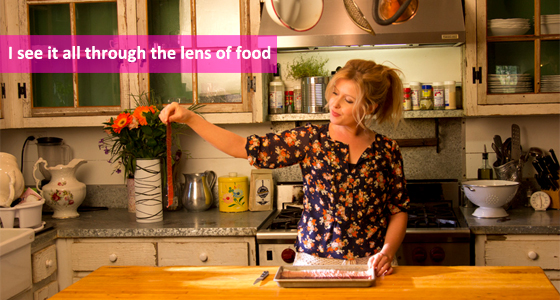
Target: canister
(450, 94)
(233, 192)
(415, 94)
(439, 101)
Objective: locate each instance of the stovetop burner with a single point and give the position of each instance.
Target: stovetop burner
(431, 215)
(287, 218)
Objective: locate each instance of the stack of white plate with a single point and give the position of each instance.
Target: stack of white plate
(550, 83)
(550, 24)
(510, 83)
(513, 26)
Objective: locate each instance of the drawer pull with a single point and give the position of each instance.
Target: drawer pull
(533, 255)
(49, 263)
(203, 257)
(113, 257)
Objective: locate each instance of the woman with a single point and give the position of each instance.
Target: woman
(355, 198)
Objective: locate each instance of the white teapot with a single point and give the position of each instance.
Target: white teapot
(11, 179)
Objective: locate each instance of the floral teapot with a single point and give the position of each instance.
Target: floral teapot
(64, 193)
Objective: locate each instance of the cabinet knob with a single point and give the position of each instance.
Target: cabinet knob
(203, 257)
(113, 257)
(532, 255)
(49, 263)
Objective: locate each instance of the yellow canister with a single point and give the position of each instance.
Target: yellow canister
(233, 191)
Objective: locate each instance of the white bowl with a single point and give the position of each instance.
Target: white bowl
(490, 196)
(500, 31)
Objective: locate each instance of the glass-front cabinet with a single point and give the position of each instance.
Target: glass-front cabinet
(88, 99)
(513, 57)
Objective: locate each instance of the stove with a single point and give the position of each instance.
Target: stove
(436, 233)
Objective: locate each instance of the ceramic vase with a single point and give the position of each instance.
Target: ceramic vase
(147, 189)
(64, 193)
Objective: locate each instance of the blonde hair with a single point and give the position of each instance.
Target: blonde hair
(376, 84)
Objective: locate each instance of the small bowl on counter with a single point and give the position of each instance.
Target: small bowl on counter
(490, 196)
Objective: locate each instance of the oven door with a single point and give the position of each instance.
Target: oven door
(276, 248)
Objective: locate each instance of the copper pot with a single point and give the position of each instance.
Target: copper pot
(386, 12)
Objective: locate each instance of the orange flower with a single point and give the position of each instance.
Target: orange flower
(122, 120)
(139, 113)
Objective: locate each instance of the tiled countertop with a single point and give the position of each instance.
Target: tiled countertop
(520, 221)
(118, 222)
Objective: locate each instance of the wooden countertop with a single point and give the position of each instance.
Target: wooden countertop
(407, 282)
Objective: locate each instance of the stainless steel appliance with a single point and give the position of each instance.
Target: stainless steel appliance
(437, 233)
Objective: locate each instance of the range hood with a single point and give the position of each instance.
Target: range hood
(437, 22)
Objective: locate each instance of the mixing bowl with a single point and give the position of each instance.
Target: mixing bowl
(490, 196)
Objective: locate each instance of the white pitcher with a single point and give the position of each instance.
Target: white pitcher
(11, 179)
(64, 193)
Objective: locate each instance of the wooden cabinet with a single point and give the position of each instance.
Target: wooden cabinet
(520, 250)
(44, 269)
(69, 100)
(511, 74)
(79, 257)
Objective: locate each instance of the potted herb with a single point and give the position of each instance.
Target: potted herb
(313, 75)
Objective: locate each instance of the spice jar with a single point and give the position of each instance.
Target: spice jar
(415, 89)
(439, 100)
(407, 102)
(289, 101)
(297, 100)
(427, 99)
(450, 95)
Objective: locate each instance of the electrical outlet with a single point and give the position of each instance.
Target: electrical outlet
(37, 133)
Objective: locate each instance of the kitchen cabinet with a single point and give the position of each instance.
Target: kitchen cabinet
(44, 267)
(494, 64)
(520, 250)
(69, 100)
(83, 256)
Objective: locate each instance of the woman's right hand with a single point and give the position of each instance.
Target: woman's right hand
(175, 113)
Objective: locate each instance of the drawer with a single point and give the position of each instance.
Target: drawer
(524, 251)
(43, 263)
(198, 254)
(88, 256)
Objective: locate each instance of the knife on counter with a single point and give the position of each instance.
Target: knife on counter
(262, 277)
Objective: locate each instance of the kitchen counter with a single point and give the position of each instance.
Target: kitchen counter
(520, 221)
(117, 222)
(407, 282)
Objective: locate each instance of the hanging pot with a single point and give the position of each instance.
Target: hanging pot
(387, 12)
(297, 15)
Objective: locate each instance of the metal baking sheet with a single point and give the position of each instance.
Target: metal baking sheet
(323, 282)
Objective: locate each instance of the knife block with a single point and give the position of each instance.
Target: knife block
(554, 197)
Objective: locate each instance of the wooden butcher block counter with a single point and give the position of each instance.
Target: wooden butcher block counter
(407, 282)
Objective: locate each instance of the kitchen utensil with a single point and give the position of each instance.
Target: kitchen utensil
(506, 150)
(490, 196)
(262, 277)
(197, 195)
(498, 155)
(554, 158)
(335, 276)
(386, 12)
(64, 193)
(54, 152)
(357, 16)
(515, 142)
(297, 15)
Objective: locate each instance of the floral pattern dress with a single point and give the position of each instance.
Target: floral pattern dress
(346, 209)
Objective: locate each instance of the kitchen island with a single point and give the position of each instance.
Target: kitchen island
(407, 282)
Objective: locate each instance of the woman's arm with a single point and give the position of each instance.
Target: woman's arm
(225, 141)
(381, 262)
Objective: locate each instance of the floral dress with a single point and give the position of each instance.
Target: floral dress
(346, 208)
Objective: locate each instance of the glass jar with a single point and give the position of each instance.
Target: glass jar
(427, 99)
(415, 94)
(439, 100)
(450, 94)
(407, 102)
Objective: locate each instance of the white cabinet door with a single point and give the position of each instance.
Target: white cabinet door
(88, 256)
(201, 253)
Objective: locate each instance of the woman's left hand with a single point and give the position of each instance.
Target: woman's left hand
(381, 264)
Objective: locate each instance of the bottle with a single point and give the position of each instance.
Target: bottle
(485, 172)
(276, 94)
(439, 100)
(450, 95)
(289, 101)
(415, 95)
(427, 99)
(297, 99)
(407, 102)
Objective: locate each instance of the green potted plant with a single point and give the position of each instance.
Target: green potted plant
(313, 74)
